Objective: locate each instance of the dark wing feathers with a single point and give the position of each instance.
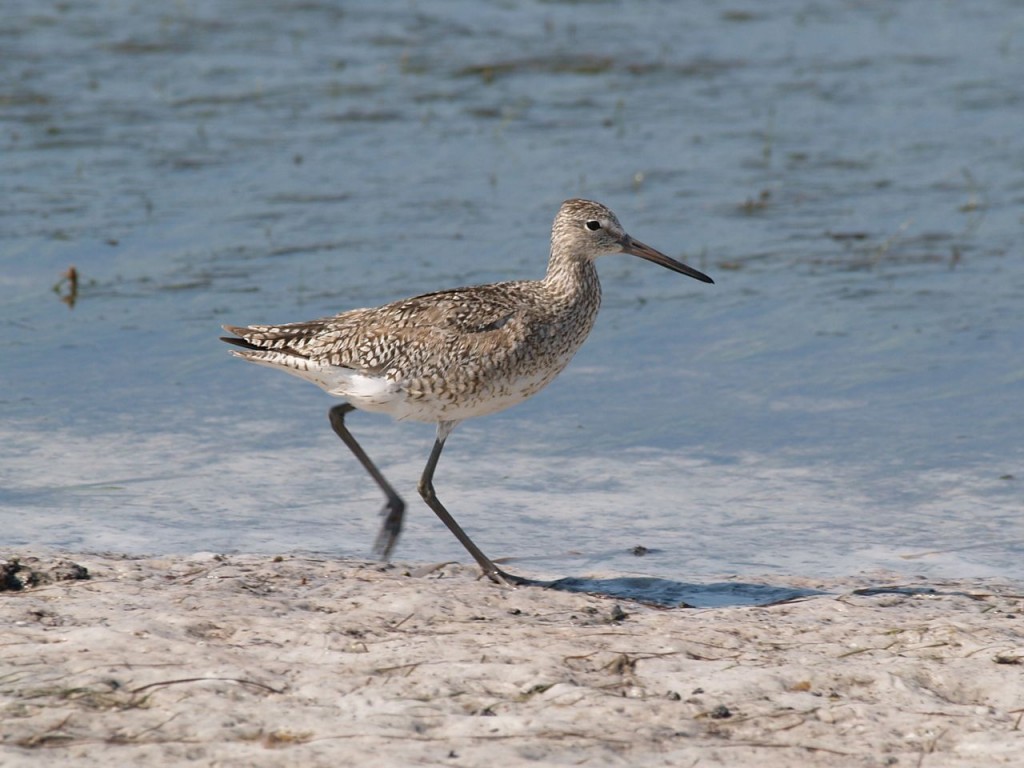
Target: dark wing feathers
(371, 339)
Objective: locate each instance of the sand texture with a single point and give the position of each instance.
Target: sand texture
(297, 660)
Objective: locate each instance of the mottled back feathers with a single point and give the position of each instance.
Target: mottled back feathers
(449, 355)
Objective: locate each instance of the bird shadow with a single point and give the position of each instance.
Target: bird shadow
(666, 593)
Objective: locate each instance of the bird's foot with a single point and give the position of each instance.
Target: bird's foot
(393, 514)
(506, 579)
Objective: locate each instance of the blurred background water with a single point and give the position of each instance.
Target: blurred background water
(849, 396)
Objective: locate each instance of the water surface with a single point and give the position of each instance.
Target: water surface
(849, 396)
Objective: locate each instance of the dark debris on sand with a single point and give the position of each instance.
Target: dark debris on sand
(17, 573)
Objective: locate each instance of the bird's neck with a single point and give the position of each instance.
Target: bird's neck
(572, 279)
(572, 299)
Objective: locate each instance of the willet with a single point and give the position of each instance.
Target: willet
(445, 357)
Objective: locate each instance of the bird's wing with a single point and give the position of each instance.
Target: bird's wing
(415, 332)
(478, 309)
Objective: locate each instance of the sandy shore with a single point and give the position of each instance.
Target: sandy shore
(264, 661)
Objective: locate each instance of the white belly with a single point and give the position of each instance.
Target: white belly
(380, 394)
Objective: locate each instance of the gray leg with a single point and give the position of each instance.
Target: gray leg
(394, 509)
(426, 488)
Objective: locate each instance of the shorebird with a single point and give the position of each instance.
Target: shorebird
(448, 356)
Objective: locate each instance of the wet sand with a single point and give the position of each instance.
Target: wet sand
(264, 661)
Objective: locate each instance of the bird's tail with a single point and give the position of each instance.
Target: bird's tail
(278, 345)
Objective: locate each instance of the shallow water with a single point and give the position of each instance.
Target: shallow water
(848, 396)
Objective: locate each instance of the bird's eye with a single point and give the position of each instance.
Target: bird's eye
(593, 225)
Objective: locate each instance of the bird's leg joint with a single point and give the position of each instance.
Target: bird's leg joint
(426, 489)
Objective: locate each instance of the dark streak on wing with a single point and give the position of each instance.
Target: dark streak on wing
(476, 309)
(261, 339)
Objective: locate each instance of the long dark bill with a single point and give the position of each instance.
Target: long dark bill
(636, 248)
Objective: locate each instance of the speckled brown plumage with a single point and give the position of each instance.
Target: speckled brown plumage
(443, 356)
(447, 356)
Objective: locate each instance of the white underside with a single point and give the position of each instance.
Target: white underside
(382, 395)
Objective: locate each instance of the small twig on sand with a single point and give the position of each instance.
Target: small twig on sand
(238, 680)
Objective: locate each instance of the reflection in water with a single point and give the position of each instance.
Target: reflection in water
(67, 287)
